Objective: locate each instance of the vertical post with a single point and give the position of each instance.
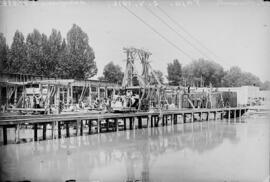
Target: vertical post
(229, 115)
(192, 117)
(57, 99)
(240, 112)
(149, 121)
(15, 95)
(208, 116)
(71, 94)
(221, 115)
(44, 129)
(125, 123)
(133, 122)
(35, 131)
(116, 124)
(98, 92)
(215, 115)
(59, 129)
(81, 132)
(77, 127)
(106, 92)
(107, 124)
(184, 118)
(89, 126)
(98, 125)
(175, 119)
(139, 122)
(90, 94)
(53, 125)
(17, 133)
(67, 129)
(201, 118)
(5, 134)
(68, 96)
(130, 123)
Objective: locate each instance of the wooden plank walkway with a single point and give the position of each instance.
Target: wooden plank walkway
(108, 121)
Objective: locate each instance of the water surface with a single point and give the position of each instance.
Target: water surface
(201, 151)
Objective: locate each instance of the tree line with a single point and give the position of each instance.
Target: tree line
(73, 57)
(198, 73)
(51, 56)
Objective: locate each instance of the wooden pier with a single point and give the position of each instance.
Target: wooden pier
(109, 122)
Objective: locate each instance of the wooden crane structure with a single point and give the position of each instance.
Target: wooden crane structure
(132, 77)
(150, 90)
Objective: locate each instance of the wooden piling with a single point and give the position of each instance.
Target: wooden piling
(59, 129)
(89, 126)
(98, 126)
(5, 135)
(125, 123)
(116, 124)
(81, 128)
(174, 119)
(139, 122)
(77, 127)
(162, 120)
(67, 129)
(44, 130)
(35, 131)
(53, 129)
(130, 123)
(221, 115)
(17, 133)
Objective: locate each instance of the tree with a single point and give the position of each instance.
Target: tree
(174, 72)
(62, 70)
(54, 53)
(17, 56)
(236, 78)
(112, 73)
(34, 52)
(159, 75)
(3, 53)
(80, 55)
(203, 70)
(265, 85)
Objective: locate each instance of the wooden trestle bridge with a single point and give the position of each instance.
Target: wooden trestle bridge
(98, 122)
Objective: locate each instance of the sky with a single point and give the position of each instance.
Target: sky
(233, 33)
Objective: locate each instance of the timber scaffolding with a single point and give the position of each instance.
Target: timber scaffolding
(87, 123)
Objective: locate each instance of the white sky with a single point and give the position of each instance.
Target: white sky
(238, 33)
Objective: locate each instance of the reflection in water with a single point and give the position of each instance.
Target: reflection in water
(205, 151)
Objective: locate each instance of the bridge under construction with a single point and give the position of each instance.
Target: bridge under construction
(141, 101)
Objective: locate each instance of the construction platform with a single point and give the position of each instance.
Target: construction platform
(105, 122)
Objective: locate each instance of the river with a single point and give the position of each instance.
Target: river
(202, 151)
